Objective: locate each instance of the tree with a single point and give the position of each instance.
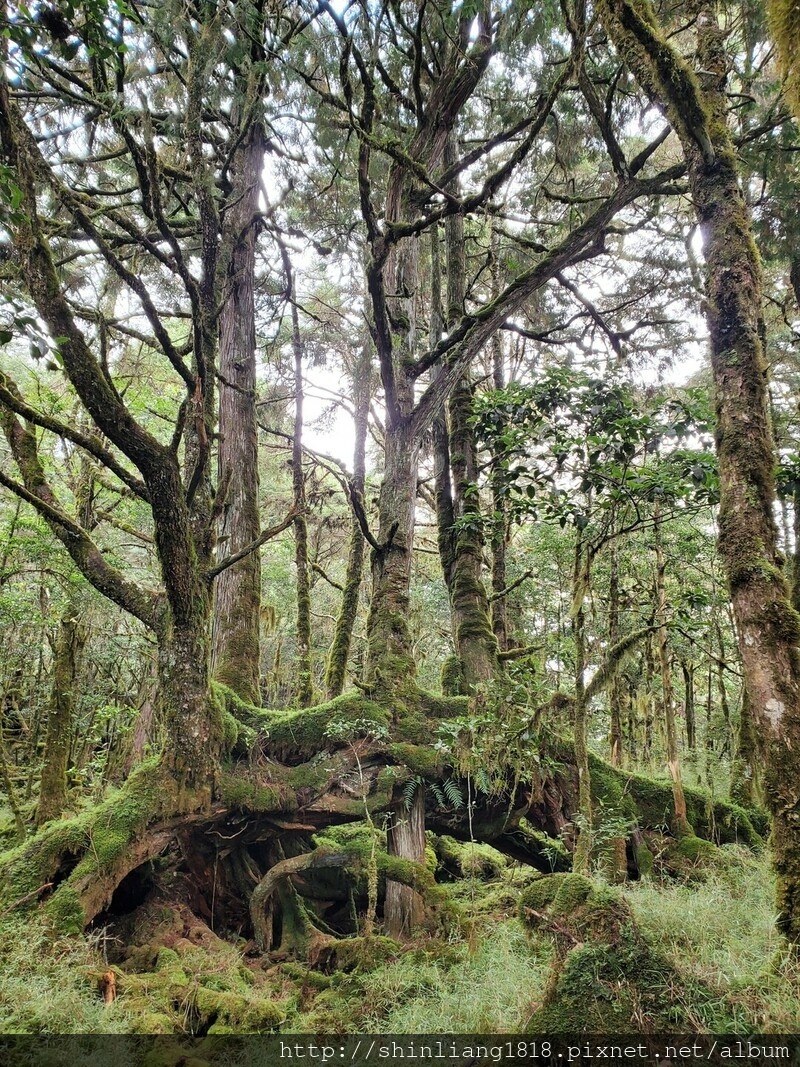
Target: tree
(767, 625)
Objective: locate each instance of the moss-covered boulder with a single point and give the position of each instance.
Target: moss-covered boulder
(606, 977)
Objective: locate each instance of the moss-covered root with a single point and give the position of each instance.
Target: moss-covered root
(276, 881)
(87, 857)
(606, 977)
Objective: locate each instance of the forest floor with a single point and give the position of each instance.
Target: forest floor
(486, 973)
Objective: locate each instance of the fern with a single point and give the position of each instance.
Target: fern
(452, 790)
(410, 791)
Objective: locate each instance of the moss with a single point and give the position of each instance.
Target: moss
(167, 959)
(420, 759)
(442, 707)
(359, 954)
(302, 733)
(538, 896)
(572, 890)
(65, 912)
(690, 857)
(154, 1022)
(306, 976)
(649, 801)
(452, 681)
(469, 860)
(244, 790)
(606, 977)
(644, 860)
(243, 1014)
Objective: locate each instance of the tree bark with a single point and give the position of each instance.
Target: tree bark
(616, 689)
(404, 909)
(475, 640)
(348, 609)
(237, 590)
(304, 685)
(580, 583)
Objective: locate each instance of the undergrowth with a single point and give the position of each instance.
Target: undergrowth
(50, 987)
(721, 932)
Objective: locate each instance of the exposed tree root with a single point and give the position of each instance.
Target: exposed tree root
(296, 782)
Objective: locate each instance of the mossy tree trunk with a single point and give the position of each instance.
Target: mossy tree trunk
(768, 628)
(681, 823)
(616, 691)
(498, 538)
(475, 640)
(304, 687)
(237, 591)
(67, 649)
(348, 609)
(582, 855)
(460, 522)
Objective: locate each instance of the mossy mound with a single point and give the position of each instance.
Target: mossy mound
(606, 977)
(690, 858)
(199, 982)
(359, 954)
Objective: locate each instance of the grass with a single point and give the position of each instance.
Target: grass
(49, 987)
(484, 991)
(721, 932)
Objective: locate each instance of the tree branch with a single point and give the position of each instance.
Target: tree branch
(262, 539)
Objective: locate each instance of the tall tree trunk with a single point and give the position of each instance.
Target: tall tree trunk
(237, 591)
(768, 628)
(583, 849)
(498, 540)
(67, 649)
(348, 609)
(475, 640)
(681, 824)
(617, 684)
(304, 686)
